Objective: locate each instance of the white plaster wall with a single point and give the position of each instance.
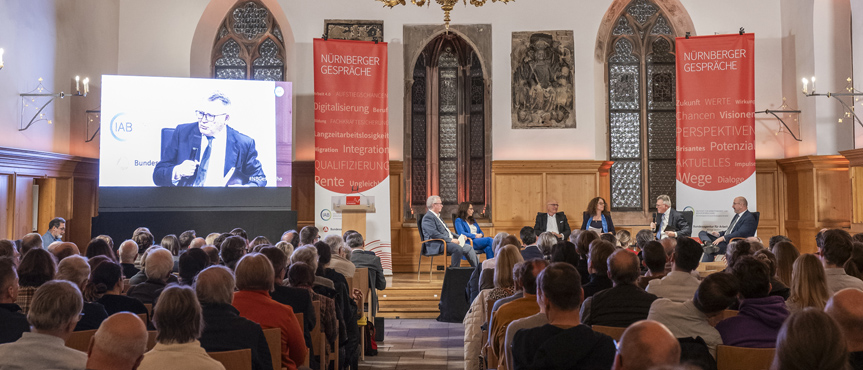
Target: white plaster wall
(857, 58)
(831, 22)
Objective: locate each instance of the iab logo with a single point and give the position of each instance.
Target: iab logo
(121, 126)
(326, 214)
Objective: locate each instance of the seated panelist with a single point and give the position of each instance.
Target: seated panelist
(670, 222)
(466, 225)
(597, 217)
(434, 228)
(552, 221)
(743, 225)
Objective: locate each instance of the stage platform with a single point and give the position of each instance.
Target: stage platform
(407, 298)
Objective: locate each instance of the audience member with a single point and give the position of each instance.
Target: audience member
(786, 253)
(61, 250)
(36, 268)
(9, 250)
(76, 270)
(299, 299)
(544, 242)
(808, 284)
(185, 239)
(669, 244)
(835, 252)
(597, 258)
(106, 287)
(346, 300)
(796, 349)
(231, 250)
(159, 263)
(286, 248)
(691, 318)
(119, 344)
(755, 243)
(760, 315)
(292, 237)
(29, 242)
(642, 237)
(854, 265)
(56, 230)
(846, 307)
(338, 262)
(623, 304)
(108, 239)
(646, 344)
(255, 277)
(564, 251)
(368, 259)
(301, 275)
(172, 244)
(528, 239)
(654, 259)
(625, 240)
(211, 238)
(99, 247)
(212, 254)
(196, 243)
(259, 242)
(14, 323)
(128, 251)
(776, 287)
(144, 238)
(735, 251)
(486, 275)
(191, 263)
(519, 289)
(55, 310)
(504, 286)
(309, 235)
(609, 237)
(582, 245)
(679, 285)
(519, 308)
(564, 343)
(179, 323)
(776, 239)
(224, 329)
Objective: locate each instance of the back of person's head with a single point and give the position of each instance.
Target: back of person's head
(355, 241)
(796, 349)
(736, 250)
(278, 259)
(755, 243)
(177, 315)
(335, 242)
(654, 256)
(128, 251)
(598, 255)
(545, 241)
(99, 247)
(786, 253)
(143, 238)
(300, 274)
(119, 343)
(560, 285)
(610, 238)
(496, 242)
(74, 269)
(286, 248)
(215, 285)
(510, 239)
(192, 262)
(36, 267)
(255, 272)
(776, 239)
(8, 249)
(846, 307)
(768, 258)
(646, 344)
(527, 273)
(56, 306)
(212, 254)
(643, 236)
(232, 249)
(197, 243)
(259, 242)
(565, 252)
(171, 243)
(687, 254)
(8, 280)
(624, 238)
(29, 242)
(238, 231)
(108, 239)
(585, 238)
(854, 265)
(324, 257)
(61, 250)
(716, 293)
(186, 238)
(753, 277)
(837, 247)
(307, 254)
(506, 259)
(809, 283)
(221, 239)
(308, 235)
(97, 260)
(103, 278)
(669, 244)
(527, 235)
(623, 267)
(159, 264)
(210, 239)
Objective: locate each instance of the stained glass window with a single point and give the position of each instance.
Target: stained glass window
(641, 107)
(249, 45)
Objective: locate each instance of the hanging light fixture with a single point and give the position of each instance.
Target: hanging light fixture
(445, 5)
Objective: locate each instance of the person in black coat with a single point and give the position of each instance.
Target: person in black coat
(106, 287)
(299, 299)
(13, 323)
(598, 216)
(224, 329)
(561, 224)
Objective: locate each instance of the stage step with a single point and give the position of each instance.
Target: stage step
(408, 298)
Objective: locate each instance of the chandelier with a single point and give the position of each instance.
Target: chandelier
(446, 5)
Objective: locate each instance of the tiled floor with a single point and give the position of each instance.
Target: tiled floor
(419, 344)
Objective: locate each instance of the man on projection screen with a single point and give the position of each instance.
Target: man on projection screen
(209, 152)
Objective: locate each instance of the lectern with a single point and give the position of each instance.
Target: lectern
(353, 209)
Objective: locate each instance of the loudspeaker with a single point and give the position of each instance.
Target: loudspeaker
(453, 303)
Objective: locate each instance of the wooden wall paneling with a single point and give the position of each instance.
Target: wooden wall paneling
(7, 193)
(84, 195)
(47, 203)
(517, 198)
(833, 196)
(855, 161)
(770, 196)
(303, 192)
(22, 221)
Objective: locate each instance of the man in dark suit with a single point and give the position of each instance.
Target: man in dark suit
(362, 258)
(434, 228)
(553, 221)
(528, 238)
(743, 225)
(209, 152)
(671, 223)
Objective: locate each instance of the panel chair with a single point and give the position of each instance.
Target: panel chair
(740, 358)
(424, 250)
(80, 340)
(240, 359)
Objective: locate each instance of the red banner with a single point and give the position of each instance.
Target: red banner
(351, 131)
(715, 111)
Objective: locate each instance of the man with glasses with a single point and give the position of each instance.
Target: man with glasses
(209, 152)
(56, 230)
(552, 221)
(434, 228)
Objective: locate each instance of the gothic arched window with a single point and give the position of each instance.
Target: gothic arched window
(641, 107)
(249, 45)
(448, 126)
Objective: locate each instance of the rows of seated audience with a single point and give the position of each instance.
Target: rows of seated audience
(546, 303)
(198, 295)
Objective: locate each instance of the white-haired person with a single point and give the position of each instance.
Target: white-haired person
(119, 344)
(158, 267)
(338, 262)
(75, 269)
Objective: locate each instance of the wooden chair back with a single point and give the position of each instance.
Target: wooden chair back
(303, 326)
(729, 313)
(319, 339)
(274, 341)
(126, 284)
(143, 317)
(151, 339)
(149, 307)
(361, 282)
(613, 332)
(240, 359)
(739, 358)
(80, 340)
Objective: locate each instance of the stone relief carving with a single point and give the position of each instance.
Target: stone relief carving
(543, 94)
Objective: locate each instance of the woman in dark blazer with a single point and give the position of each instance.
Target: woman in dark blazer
(598, 216)
(467, 226)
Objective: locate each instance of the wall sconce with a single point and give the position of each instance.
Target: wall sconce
(850, 92)
(1, 58)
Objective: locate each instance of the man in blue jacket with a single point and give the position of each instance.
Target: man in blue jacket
(743, 225)
(434, 228)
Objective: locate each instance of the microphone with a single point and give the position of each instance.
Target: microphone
(194, 155)
(654, 220)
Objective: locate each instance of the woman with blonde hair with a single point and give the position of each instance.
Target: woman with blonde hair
(808, 284)
(786, 253)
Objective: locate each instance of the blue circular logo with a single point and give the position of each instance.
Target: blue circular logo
(326, 214)
(121, 126)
